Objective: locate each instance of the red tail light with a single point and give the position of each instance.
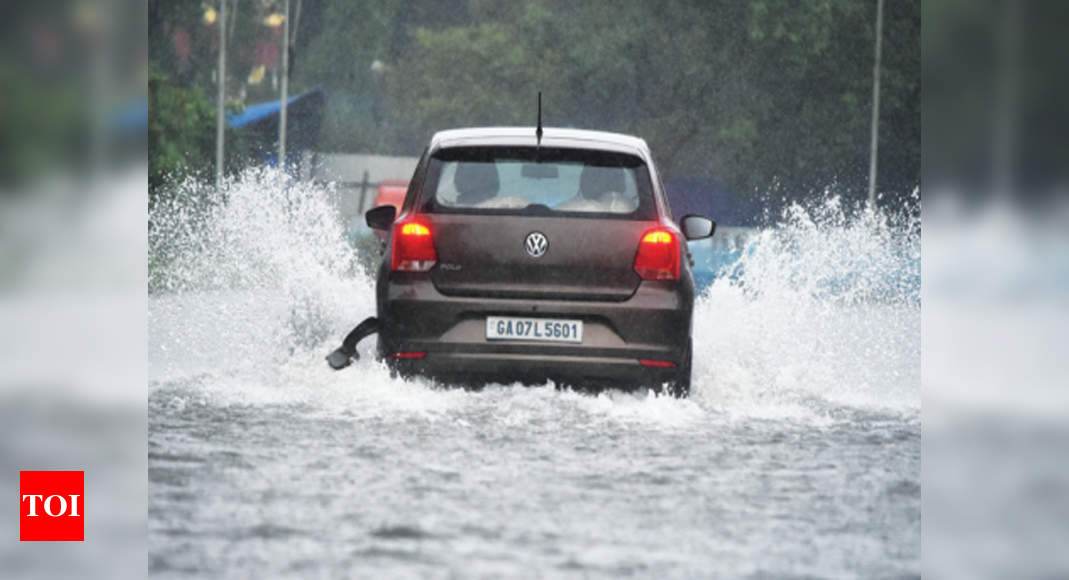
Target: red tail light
(413, 247)
(658, 255)
(656, 363)
(415, 354)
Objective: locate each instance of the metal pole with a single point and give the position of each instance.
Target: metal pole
(285, 86)
(220, 116)
(875, 104)
(363, 192)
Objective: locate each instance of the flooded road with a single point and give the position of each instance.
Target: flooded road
(798, 453)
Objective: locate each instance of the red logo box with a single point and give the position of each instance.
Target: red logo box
(51, 506)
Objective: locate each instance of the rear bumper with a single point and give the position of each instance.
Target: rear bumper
(653, 324)
(465, 367)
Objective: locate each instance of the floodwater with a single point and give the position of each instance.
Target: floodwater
(798, 453)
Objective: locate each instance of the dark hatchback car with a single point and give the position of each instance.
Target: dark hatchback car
(516, 258)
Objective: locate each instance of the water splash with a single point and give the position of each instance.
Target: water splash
(253, 283)
(254, 272)
(824, 306)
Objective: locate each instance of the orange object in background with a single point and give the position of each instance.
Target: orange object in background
(391, 192)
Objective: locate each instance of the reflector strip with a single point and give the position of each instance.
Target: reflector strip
(408, 355)
(656, 363)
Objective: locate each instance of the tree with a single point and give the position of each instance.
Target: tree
(773, 91)
(181, 133)
(745, 95)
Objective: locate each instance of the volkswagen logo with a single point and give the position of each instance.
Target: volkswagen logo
(536, 244)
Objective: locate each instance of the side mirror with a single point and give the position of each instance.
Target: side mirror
(381, 217)
(696, 227)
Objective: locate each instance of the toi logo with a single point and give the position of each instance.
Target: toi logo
(51, 506)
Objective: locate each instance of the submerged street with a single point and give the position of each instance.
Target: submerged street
(798, 452)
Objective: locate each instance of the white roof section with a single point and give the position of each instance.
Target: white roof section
(551, 136)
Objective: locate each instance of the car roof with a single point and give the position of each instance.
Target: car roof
(551, 137)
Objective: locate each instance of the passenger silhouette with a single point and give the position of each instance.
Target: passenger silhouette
(476, 183)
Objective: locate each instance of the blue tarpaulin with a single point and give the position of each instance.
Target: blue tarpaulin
(259, 124)
(260, 111)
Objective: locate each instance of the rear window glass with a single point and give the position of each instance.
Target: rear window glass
(546, 181)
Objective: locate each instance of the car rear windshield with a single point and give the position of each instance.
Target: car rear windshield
(543, 181)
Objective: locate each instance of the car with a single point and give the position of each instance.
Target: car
(523, 255)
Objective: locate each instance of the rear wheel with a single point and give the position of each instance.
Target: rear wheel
(679, 386)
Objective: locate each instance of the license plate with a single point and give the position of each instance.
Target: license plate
(540, 329)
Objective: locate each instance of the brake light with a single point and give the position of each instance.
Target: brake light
(658, 255)
(413, 248)
(414, 354)
(656, 363)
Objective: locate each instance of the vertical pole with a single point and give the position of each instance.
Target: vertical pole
(220, 116)
(874, 143)
(363, 193)
(285, 86)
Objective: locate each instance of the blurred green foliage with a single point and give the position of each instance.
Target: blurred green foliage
(181, 132)
(747, 95)
(71, 91)
(45, 123)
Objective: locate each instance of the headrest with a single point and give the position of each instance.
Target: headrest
(597, 181)
(475, 182)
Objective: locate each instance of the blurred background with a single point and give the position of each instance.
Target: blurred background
(73, 176)
(107, 105)
(741, 102)
(996, 288)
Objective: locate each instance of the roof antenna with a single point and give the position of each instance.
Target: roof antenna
(538, 131)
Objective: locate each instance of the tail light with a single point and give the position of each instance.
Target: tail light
(413, 354)
(658, 255)
(413, 247)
